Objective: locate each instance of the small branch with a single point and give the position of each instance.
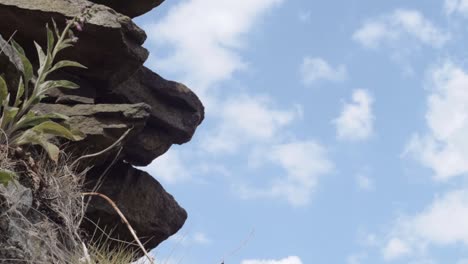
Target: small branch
(8, 41)
(124, 219)
(104, 150)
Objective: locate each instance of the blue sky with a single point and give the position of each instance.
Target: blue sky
(335, 131)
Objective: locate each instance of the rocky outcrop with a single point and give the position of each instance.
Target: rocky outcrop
(117, 94)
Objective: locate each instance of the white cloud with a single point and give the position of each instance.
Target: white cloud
(303, 162)
(444, 148)
(456, 6)
(205, 36)
(288, 260)
(356, 119)
(395, 248)
(400, 25)
(315, 69)
(443, 223)
(247, 119)
(169, 168)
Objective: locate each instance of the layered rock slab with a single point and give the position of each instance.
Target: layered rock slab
(110, 44)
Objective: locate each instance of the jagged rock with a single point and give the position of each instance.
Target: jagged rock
(109, 45)
(131, 8)
(153, 213)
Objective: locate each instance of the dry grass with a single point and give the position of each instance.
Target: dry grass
(101, 254)
(42, 214)
(41, 211)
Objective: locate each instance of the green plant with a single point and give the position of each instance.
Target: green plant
(19, 123)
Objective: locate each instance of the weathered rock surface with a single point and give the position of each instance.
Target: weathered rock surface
(156, 217)
(131, 8)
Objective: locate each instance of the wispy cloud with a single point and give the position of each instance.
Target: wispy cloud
(444, 147)
(303, 164)
(288, 260)
(315, 69)
(456, 6)
(395, 248)
(443, 223)
(356, 121)
(248, 120)
(205, 37)
(400, 25)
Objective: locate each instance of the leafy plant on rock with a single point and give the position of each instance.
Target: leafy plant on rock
(19, 124)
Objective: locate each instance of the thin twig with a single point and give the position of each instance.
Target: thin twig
(8, 41)
(243, 244)
(124, 219)
(99, 182)
(104, 150)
